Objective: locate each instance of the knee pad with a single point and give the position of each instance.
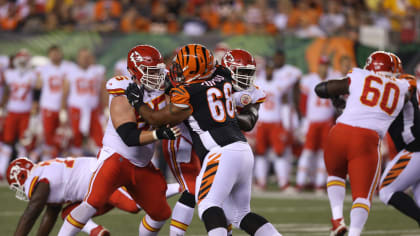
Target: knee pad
(362, 203)
(214, 217)
(187, 199)
(252, 222)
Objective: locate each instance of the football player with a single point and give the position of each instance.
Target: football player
(20, 82)
(375, 98)
(49, 88)
(181, 158)
(319, 117)
(402, 172)
(204, 101)
(124, 159)
(86, 82)
(277, 81)
(58, 182)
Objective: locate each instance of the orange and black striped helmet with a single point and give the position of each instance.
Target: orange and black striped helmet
(192, 62)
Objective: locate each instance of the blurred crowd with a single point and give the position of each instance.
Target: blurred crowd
(304, 18)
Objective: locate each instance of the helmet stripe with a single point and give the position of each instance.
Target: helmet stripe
(196, 60)
(182, 57)
(187, 49)
(205, 58)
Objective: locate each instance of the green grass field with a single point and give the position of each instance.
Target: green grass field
(292, 215)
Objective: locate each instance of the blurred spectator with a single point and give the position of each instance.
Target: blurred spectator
(82, 13)
(106, 16)
(133, 22)
(210, 15)
(281, 17)
(105, 9)
(194, 25)
(174, 7)
(333, 19)
(10, 15)
(234, 25)
(159, 19)
(227, 7)
(303, 14)
(254, 15)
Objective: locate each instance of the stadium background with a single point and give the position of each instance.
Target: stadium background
(369, 25)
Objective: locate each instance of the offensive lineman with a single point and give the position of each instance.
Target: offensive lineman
(204, 101)
(124, 159)
(375, 99)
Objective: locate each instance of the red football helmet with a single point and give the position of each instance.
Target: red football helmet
(145, 64)
(242, 66)
(381, 61)
(17, 173)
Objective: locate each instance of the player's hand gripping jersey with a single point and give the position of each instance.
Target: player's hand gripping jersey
(212, 122)
(374, 100)
(138, 155)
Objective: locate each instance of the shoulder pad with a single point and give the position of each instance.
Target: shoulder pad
(117, 85)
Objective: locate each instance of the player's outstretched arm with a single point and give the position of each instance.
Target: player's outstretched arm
(48, 220)
(248, 117)
(33, 209)
(171, 114)
(332, 88)
(124, 120)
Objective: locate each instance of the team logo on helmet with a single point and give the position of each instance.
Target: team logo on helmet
(136, 57)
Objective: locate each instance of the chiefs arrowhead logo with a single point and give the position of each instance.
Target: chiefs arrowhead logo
(228, 57)
(136, 57)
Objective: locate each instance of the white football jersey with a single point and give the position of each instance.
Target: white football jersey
(120, 68)
(252, 96)
(85, 86)
(53, 77)
(68, 178)
(317, 109)
(21, 84)
(374, 100)
(138, 155)
(286, 76)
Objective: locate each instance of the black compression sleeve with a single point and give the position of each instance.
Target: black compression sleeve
(37, 94)
(321, 90)
(248, 117)
(129, 133)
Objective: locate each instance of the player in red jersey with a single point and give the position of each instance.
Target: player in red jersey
(125, 158)
(375, 98)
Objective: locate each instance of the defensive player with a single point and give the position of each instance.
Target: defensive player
(86, 83)
(58, 182)
(277, 81)
(124, 159)
(20, 82)
(375, 98)
(179, 154)
(204, 101)
(402, 172)
(319, 116)
(50, 83)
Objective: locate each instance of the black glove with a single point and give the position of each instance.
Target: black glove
(135, 95)
(167, 133)
(168, 84)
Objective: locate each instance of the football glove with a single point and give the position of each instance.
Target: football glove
(134, 95)
(167, 133)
